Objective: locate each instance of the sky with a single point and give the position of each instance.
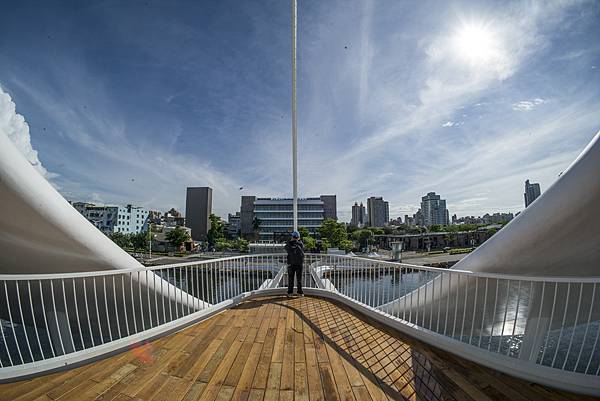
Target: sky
(120, 102)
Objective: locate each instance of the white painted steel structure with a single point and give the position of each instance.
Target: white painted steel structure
(558, 234)
(489, 329)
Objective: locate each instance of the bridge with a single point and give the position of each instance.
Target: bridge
(77, 310)
(107, 333)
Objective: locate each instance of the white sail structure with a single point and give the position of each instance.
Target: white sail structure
(41, 233)
(557, 235)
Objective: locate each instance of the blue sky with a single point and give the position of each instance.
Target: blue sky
(130, 102)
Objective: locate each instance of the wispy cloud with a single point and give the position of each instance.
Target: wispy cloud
(528, 105)
(392, 101)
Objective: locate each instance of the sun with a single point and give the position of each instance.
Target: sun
(475, 44)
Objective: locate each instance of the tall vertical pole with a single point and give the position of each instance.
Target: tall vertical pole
(294, 118)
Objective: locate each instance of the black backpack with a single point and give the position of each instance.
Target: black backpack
(295, 253)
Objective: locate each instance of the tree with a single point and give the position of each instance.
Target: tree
(177, 237)
(309, 243)
(376, 230)
(333, 234)
(139, 240)
(222, 244)
(304, 233)
(122, 240)
(362, 237)
(217, 230)
(241, 244)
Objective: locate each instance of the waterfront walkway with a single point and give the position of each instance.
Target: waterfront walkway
(275, 348)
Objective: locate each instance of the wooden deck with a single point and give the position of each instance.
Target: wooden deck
(282, 349)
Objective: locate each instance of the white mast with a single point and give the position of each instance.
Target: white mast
(294, 119)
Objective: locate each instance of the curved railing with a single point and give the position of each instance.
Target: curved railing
(543, 329)
(53, 320)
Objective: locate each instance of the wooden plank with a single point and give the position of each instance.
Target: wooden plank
(272, 389)
(256, 395)
(219, 376)
(225, 393)
(151, 387)
(244, 383)
(262, 370)
(361, 393)
(315, 388)
(174, 388)
(264, 324)
(212, 365)
(300, 382)
(287, 367)
(195, 391)
(238, 365)
(286, 395)
(329, 387)
(147, 373)
(341, 378)
(90, 389)
(279, 337)
(201, 361)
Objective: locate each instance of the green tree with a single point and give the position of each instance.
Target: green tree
(222, 244)
(304, 233)
(139, 240)
(309, 243)
(346, 245)
(217, 230)
(177, 237)
(333, 234)
(122, 240)
(362, 237)
(376, 230)
(241, 244)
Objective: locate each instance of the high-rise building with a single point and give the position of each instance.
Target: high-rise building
(233, 224)
(532, 191)
(434, 211)
(198, 207)
(272, 218)
(378, 211)
(115, 219)
(359, 215)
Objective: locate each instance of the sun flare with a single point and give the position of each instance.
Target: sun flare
(475, 44)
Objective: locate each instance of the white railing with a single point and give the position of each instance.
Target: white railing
(53, 320)
(544, 329)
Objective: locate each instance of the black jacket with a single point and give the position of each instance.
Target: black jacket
(288, 249)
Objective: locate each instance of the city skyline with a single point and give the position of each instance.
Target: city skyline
(128, 113)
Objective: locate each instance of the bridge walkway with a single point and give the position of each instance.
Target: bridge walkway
(275, 348)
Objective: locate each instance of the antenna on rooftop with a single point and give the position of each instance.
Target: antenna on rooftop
(294, 119)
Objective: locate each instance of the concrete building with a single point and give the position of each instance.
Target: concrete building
(359, 215)
(198, 207)
(532, 191)
(433, 209)
(274, 216)
(378, 211)
(233, 225)
(114, 219)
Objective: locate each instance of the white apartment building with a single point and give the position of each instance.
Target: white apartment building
(112, 219)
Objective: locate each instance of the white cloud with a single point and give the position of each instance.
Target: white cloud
(448, 124)
(527, 105)
(13, 125)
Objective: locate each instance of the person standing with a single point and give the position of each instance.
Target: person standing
(295, 259)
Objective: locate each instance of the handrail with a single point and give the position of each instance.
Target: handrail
(529, 324)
